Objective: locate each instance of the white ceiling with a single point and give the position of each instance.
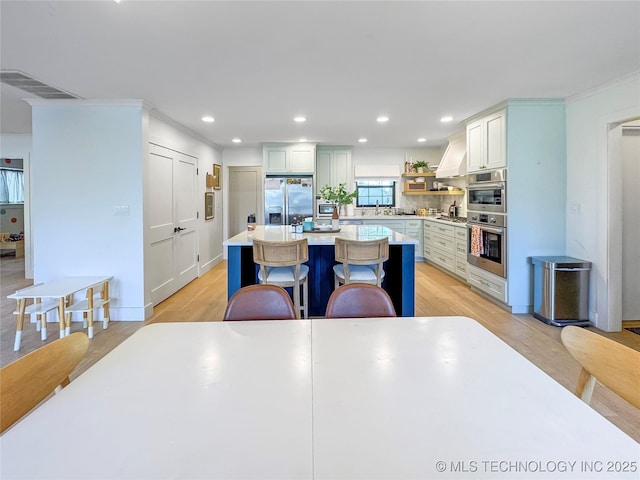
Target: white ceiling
(256, 65)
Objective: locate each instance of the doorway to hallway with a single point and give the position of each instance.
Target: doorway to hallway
(245, 197)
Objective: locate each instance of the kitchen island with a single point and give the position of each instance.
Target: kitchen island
(399, 279)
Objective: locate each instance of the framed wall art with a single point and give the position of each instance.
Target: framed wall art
(209, 205)
(217, 179)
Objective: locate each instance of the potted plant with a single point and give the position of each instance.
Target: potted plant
(420, 166)
(338, 196)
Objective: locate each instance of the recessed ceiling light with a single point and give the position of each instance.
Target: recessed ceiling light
(362, 140)
(236, 140)
(382, 119)
(300, 119)
(207, 118)
(421, 140)
(302, 140)
(446, 119)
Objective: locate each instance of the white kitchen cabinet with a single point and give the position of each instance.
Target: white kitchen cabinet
(333, 167)
(488, 283)
(410, 227)
(439, 244)
(393, 224)
(460, 242)
(446, 246)
(289, 158)
(486, 142)
(413, 229)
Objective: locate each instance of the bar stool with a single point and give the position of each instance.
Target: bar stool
(281, 264)
(360, 261)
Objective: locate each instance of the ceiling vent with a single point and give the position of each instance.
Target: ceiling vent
(28, 84)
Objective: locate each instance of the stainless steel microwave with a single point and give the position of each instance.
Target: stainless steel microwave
(487, 192)
(324, 209)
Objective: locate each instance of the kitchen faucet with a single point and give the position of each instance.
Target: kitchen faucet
(377, 207)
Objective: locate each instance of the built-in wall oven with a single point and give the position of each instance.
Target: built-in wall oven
(487, 242)
(487, 191)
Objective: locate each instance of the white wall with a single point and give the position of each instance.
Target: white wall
(397, 156)
(19, 146)
(89, 157)
(593, 188)
(86, 160)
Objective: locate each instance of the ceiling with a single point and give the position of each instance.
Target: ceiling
(253, 66)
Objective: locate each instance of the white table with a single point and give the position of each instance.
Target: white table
(60, 290)
(366, 398)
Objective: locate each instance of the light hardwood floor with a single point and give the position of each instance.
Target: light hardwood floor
(437, 294)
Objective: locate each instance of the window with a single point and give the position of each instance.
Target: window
(11, 186)
(371, 191)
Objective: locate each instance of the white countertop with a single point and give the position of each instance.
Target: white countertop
(282, 233)
(377, 217)
(369, 218)
(386, 398)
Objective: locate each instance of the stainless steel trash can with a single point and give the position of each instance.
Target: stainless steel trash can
(561, 290)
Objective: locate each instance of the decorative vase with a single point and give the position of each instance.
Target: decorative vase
(335, 219)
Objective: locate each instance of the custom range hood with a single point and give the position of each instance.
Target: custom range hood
(454, 160)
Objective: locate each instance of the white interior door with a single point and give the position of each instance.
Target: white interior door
(173, 219)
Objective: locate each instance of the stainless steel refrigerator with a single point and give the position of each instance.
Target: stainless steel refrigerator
(287, 199)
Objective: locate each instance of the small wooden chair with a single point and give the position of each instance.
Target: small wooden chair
(281, 264)
(260, 302)
(30, 379)
(615, 365)
(359, 300)
(360, 261)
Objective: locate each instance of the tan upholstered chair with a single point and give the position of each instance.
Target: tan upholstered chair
(30, 379)
(615, 365)
(260, 302)
(281, 264)
(359, 300)
(360, 261)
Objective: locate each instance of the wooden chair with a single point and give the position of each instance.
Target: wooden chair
(615, 365)
(281, 264)
(260, 302)
(359, 300)
(360, 261)
(30, 379)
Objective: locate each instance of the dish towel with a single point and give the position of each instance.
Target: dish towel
(476, 240)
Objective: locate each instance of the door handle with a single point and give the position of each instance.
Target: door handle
(178, 229)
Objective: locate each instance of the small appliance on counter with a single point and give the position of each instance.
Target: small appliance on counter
(453, 210)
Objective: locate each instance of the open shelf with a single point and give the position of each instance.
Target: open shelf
(416, 175)
(443, 192)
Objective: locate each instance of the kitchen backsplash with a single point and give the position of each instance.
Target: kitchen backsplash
(441, 202)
